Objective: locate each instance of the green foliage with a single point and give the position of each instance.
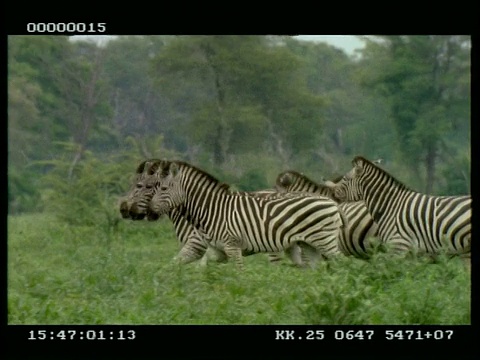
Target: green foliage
(248, 172)
(23, 190)
(29, 129)
(68, 274)
(241, 107)
(254, 180)
(247, 85)
(455, 175)
(416, 75)
(140, 108)
(151, 146)
(87, 193)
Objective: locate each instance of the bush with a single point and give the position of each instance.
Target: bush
(61, 274)
(88, 194)
(23, 192)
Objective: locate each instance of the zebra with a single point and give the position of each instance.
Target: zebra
(193, 246)
(408, 220)
(192, 243)
(236, 222)
(361, 227)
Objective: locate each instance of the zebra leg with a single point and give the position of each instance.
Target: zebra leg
(213, 254)
(204, 261)
(216, 255)
(310, 255)
(234, 252)
(296, 255)
(191, 251)
(275, 258)
(400, 247)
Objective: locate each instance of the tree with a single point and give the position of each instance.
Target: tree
(423, 78)
(87, 96)
(355, 121)
(139, 108)
(31, 130)
(56, 94)
(240, 94)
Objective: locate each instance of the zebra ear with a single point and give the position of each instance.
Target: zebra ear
(150, 167)
(141, 167)
(285, 180)
(153, 167)
(358, 166)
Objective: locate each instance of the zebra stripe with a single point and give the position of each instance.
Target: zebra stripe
(361, 227)
(237, 222)
(407, 219)
(193, 245)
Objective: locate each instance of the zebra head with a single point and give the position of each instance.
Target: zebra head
(134, 206)
(292, 181)
(285, 181)
(350, 186)
(169, 192)
(128, 204)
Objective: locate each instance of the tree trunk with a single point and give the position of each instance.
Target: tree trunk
(223, 132)
(76, 158)
(86, 116)
(278, 143)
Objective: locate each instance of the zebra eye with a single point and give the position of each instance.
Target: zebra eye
(139, 185)
(148, 186)
(163, 188)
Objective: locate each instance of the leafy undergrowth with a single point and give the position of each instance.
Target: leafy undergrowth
(59, 274)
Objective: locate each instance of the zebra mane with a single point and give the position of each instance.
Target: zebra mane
(300, 177)
(157, 164)
(142, 167)
(164, 165)
(283, 177)
(369, 164)
(296, 175)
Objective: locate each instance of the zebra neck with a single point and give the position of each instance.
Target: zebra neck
(202, 203)
(380, 200)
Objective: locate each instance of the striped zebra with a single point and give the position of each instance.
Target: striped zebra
(361, 227)
(408, 220)
(193, 246)
(192, 243)
(237, 222)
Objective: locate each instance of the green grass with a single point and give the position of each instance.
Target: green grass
(60, 274)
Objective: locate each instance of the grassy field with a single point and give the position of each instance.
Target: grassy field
(60, 274)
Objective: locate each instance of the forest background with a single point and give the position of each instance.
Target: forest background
(82, 115)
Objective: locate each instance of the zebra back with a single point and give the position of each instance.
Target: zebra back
(246, 222)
